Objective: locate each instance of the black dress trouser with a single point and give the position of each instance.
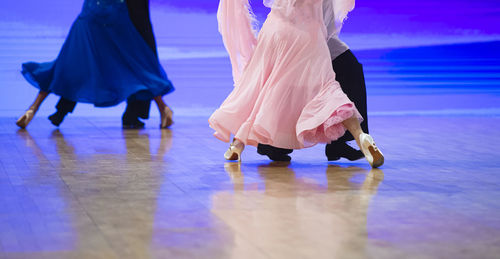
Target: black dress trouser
(139, 15)
(350, 75)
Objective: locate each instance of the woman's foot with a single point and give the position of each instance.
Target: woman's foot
(372, 154)
(234, 151)
(166, 117)
(24, 120)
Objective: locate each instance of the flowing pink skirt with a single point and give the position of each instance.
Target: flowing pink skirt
(287, 95)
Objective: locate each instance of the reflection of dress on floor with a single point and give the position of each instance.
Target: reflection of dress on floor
(277, 217)
(103, 61)
(285, 92)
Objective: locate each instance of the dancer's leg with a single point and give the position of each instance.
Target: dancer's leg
(159, 102)
(38, 100)
(139, 15)
(26, 118)
(166, 113)
(135, 109)
(352, 125)
(141, 108)
(350, 75)
(64, 106)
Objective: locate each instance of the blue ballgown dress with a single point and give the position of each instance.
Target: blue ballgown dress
(103, 61)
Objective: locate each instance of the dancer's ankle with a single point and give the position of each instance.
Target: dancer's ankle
(237, 143)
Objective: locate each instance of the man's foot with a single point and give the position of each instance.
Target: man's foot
(134, 124)
(335, 151)
(57, 118)
(130, 120)
(274, 153)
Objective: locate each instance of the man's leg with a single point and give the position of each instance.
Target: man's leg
(135, 109)
(64, 106)
(139, 15)
(350, 75)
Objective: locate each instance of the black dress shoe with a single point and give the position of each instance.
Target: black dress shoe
(57, 118)
(335, 151)
(274, 153)
(137, 124)
(130, 120)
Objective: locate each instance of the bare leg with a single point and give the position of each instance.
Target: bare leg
(166, 113)
(237, 143)
(38, 100)
(353, 126)
(24, 120)
(159, 102)
(365, 142)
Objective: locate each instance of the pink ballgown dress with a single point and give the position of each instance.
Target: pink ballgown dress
(285, 93)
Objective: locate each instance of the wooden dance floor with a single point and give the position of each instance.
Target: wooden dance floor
(93, 190)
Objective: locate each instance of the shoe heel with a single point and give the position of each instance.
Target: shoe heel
(378, 158)
(371, 151)
(233, 156)
(233, 153)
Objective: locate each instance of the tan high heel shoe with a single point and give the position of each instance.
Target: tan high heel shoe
(24, 120)
(233, 153)
(372, 154)
(166, 118)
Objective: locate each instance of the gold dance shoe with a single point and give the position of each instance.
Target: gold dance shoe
(166, 118)
(233, 153)
(371, 151)
(24, 120)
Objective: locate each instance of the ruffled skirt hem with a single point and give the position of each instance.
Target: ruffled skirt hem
(320, 122)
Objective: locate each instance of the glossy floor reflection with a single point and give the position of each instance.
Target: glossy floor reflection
(92, 190)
